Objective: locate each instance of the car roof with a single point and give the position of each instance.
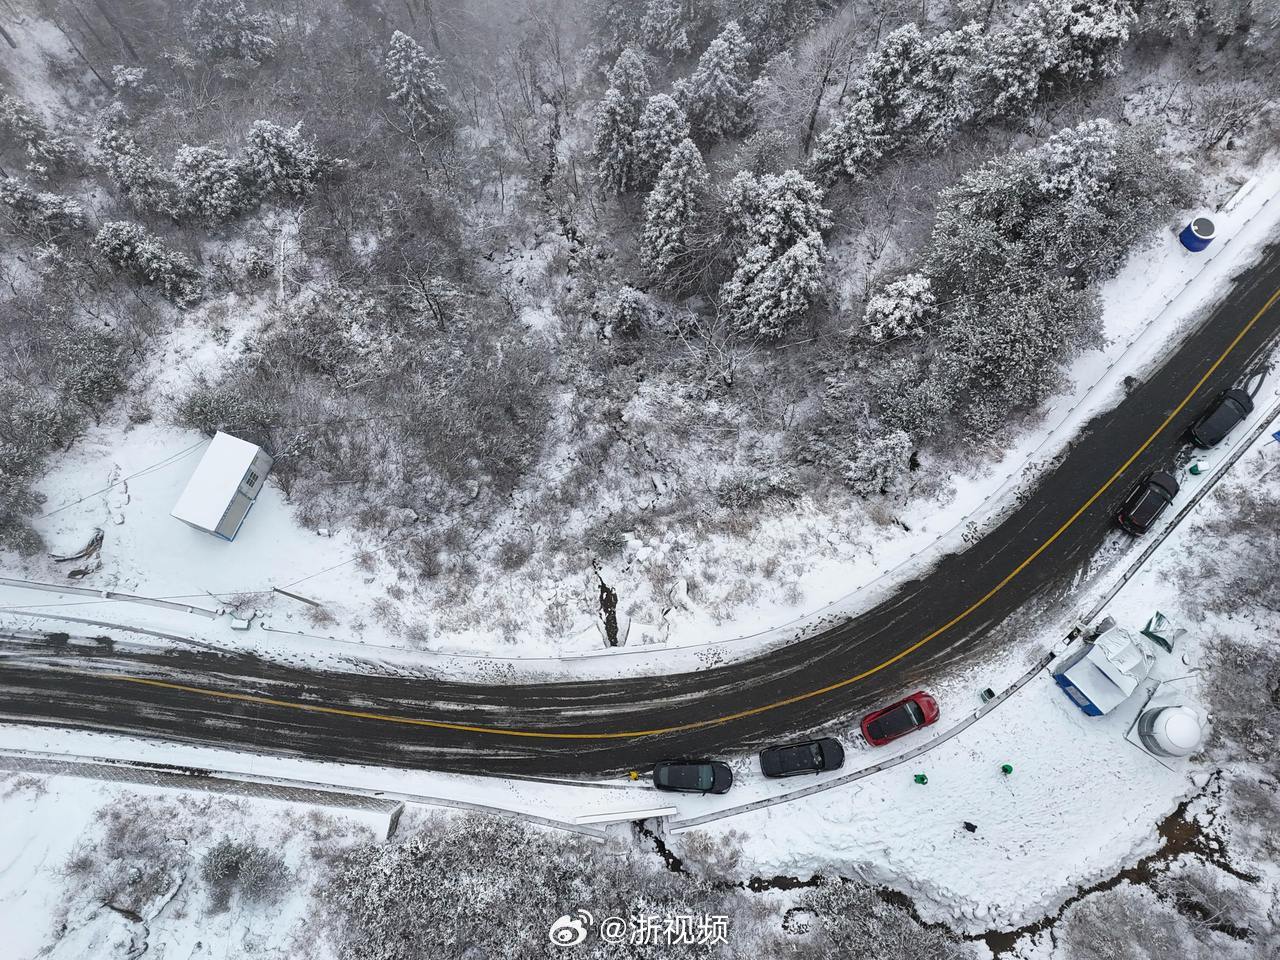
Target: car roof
(684, 773)
(796, 756)
(897, 719)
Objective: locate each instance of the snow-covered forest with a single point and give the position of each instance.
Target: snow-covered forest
(512, 288)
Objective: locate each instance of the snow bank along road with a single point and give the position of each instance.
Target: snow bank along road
(615, 725)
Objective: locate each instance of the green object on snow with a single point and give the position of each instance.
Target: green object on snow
(1006, 768)
(1197, 468)
(1163, 631)
(920, 778)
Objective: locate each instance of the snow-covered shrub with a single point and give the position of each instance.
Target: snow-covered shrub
(616, 120)
(661, 128)
(209, 184)
(91, 365)
(45, 215)
(282, 161)
(135, 864)
(1015, 246)
(336, 333)
(748, 489)
(853, 920)
(879, 464)
(141, 255)
(228, 29)
(776, 223)
(414, 80)
(31, 424)
(484, 886)
(254, 872)
(1128, 923)
(45, 151)
(129, 78)
(1243, 678)
(672, 213)
(763, 153)
(626, 311)
(233, 406)
(900, 308)
(715, 96)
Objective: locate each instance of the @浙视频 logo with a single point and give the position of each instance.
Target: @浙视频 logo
(569, 931)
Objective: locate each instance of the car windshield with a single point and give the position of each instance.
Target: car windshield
(899, 720)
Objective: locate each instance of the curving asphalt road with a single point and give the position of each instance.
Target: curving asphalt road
(609, 726)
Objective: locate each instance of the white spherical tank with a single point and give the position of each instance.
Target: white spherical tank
(1171, 731)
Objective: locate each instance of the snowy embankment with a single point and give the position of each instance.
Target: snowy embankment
(124, 478)
(981, 850)
(974, 847)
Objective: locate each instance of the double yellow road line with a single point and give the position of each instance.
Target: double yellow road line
(753, 711)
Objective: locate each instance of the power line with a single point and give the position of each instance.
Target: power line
(155, 467)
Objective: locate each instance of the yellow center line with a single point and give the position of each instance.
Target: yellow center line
(753, 711)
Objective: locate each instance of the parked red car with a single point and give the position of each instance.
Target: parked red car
(912, 713)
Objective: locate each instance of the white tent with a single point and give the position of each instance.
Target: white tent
(1101, 675)
(224, 486)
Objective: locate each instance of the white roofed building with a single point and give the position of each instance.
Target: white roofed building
(224, 486)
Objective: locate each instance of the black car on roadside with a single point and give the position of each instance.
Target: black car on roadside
(1150, 498)
(1228, 410)
(793, 759)
(692, 776)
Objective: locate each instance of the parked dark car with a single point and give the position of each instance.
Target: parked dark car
(793, 759)
(899, 719)
(1228, 410)
(692, 776)
(1146, 502)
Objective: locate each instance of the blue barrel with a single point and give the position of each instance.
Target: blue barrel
(1197, 234)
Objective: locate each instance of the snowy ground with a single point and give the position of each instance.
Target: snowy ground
(49, 820)
(124, 477)
(1081, 802)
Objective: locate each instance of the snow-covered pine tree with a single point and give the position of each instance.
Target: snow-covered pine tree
(716, 95)
(672, 212)
(615, 24)
(135, 174)
(665, 27)
(916, 92)
(209, 184)
(142, 256)
(46, 152)
(39, 214)
(662, 126)
(879, 463)
(776, 224)
(900, 308)
(414, 80)
(883, 101)
(228, 29)
(281, 160)
(1015, 245)
(1087, 36)
(774, 25)
(617, 118)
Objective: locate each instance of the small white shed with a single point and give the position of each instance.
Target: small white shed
(224, 486)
